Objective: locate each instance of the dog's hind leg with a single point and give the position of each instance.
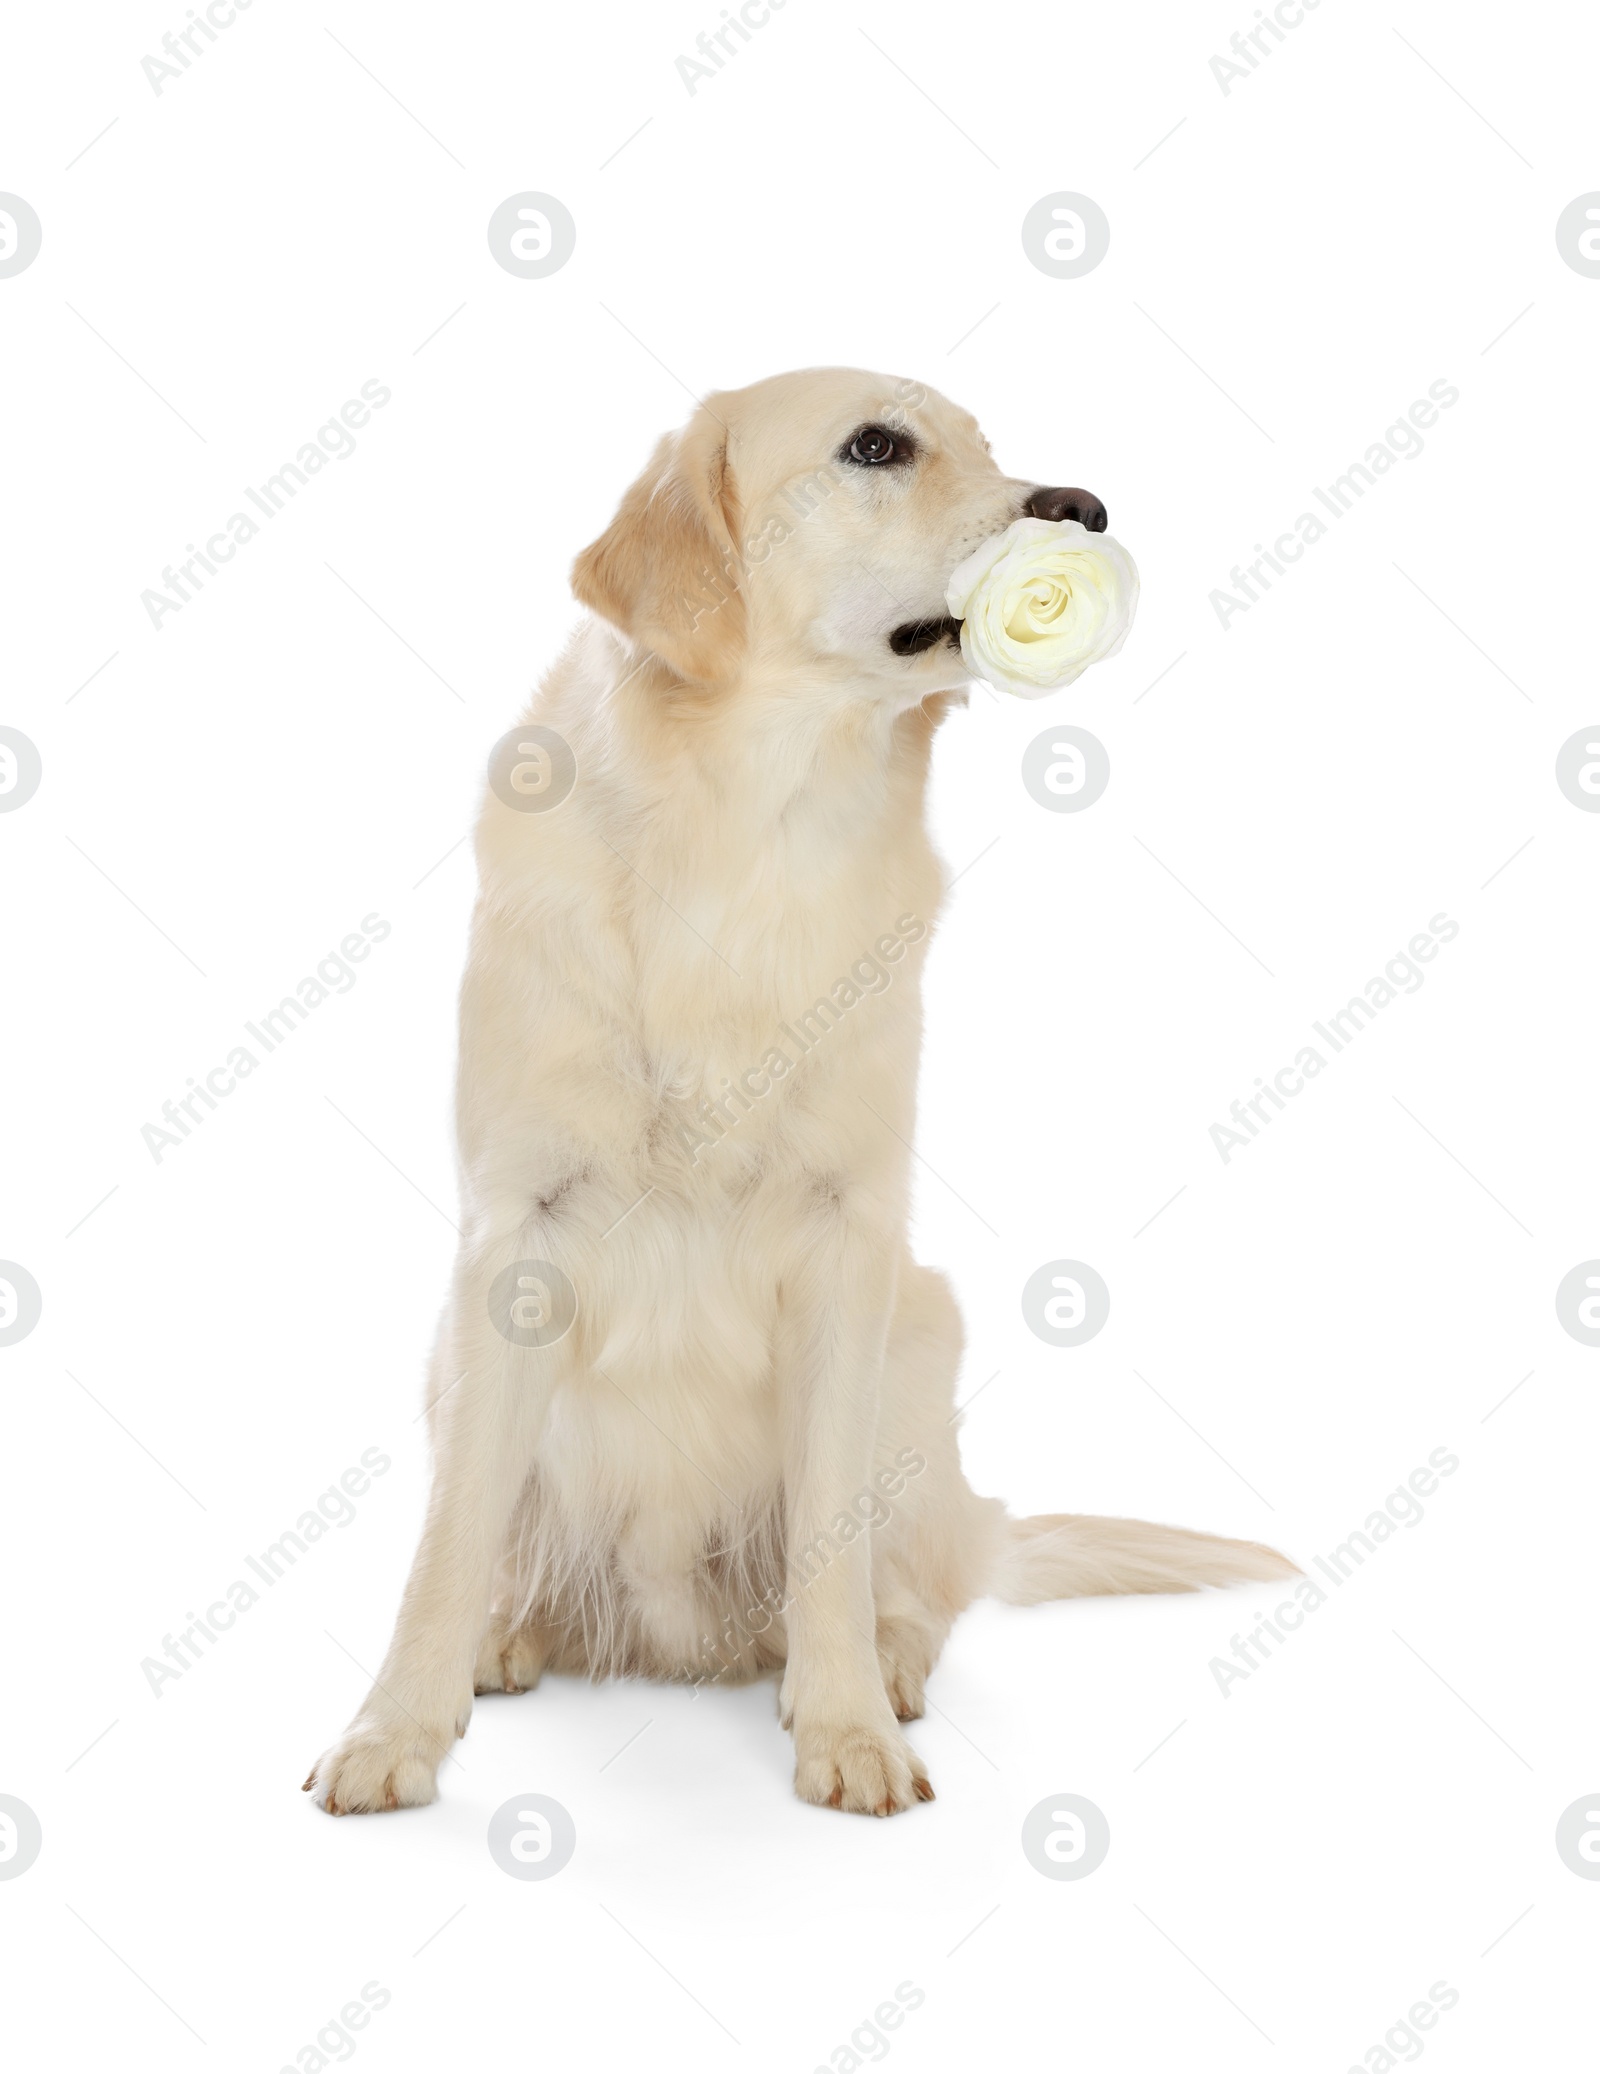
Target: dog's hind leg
(909, 1637)
(516, 1647)
(936, 1542)
(943, 1546)
(513, 1654)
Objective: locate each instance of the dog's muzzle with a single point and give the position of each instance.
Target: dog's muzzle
(916, 636)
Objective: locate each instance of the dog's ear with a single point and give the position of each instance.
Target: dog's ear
(667, 570)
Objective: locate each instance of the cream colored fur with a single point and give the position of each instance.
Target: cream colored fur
(741, 1456)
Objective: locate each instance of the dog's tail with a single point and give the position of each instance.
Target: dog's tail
(1064, 1555)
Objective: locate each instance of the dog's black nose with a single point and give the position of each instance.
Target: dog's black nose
(1081, 505)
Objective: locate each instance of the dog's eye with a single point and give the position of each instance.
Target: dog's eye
(871, 447)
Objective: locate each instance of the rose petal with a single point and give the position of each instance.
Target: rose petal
(1041, 602)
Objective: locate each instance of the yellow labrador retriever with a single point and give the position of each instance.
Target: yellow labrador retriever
(691, 1401)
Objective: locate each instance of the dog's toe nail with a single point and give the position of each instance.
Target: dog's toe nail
(311, 1780)
(925, 1790)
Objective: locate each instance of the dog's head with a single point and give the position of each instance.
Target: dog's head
(811, 520)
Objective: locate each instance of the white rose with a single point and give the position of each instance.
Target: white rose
(1040, 602)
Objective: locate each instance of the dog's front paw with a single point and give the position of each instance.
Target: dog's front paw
(378, 1763)
(867, 1771)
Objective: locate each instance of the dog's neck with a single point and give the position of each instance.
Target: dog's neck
(780, 819)
(796, 772)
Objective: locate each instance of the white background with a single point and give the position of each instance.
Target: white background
(1290, 267)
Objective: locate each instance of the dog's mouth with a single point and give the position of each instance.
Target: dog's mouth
(919, 635)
